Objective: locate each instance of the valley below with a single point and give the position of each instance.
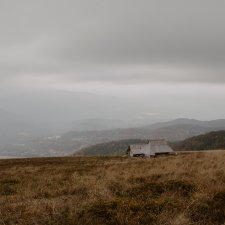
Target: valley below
(67, 143)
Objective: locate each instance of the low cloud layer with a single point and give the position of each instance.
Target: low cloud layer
(124, 41)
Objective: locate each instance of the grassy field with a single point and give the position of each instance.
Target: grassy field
(178, 190)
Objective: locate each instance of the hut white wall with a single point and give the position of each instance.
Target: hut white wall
(144, 149)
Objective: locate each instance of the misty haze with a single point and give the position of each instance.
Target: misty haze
(93, 93)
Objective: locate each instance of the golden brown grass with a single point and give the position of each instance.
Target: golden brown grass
(178, 190)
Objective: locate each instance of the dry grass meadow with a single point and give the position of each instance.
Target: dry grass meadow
(178, 190)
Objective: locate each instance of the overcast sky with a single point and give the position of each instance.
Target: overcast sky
(148, 48)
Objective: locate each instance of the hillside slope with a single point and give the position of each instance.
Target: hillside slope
(188, 189)
(210, 141)
(113, 148)
(219, 123)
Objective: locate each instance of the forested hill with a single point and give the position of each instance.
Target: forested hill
(112, 148)
(210, 141)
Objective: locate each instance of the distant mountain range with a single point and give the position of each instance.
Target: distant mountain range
(73, 141)
(26, 115)
(178, 129)
(181, 121)
(50, 123)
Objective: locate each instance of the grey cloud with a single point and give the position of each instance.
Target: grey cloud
(114, 41)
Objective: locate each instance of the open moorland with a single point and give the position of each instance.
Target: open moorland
(178, 190)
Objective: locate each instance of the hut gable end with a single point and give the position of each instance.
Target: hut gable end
(152, 148)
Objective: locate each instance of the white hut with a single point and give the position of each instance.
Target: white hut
(152, 148)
